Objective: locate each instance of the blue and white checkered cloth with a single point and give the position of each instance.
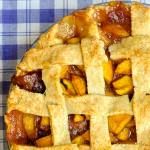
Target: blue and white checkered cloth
(21, 22)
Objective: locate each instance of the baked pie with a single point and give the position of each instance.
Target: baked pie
(85, 84)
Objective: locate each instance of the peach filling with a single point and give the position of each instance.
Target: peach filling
(114, 21)
(122, 129)
(75, 26)
(73, 80)
(30, 81)
(118, 77)
(28, 129)
(79, 129)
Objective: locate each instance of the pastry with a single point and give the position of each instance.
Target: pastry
(85, 84)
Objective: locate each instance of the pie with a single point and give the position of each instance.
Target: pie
(85, 84)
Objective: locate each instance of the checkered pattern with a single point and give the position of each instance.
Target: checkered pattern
(21, 22)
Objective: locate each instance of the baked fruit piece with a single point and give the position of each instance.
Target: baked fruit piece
(35, 130)
(82, 87)
(73, 80)
(109, 22)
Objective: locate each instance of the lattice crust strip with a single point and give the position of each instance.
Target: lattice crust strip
(78, 105)
(88, 104)
(63, 147)
(58, 54)
(71, 54)
(93, 57)
(53, 100)
(137, 49)
(98, 121)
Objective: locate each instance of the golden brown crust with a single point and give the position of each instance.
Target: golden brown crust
(80, 23)
(59, 124)
(91, 105)
(129, 47)
(51, 78)
(141, 73)
(21, 100)
(113, 105)
(84, 147)
(85, 23)
(136, 48)
(49, 38)
(125, 147)
(43, 58)
(99, 123)
(140, 16)
(63, 147)
(141, 105)
(50, 54)
(93, 57)
(67, 27)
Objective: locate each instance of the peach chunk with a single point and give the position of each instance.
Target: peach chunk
(125, 90)
(68, 87)
(86, 135)
(124, 134)
(116, 123)
(123, 85)
(78, 118)
(122, 82)
(115, 29)
(108, 71)
(29, 125)
(44, 141)
(82, 139)
(78, 140)
(64, 90)
(64, 71)
(124, 67)
(45, 121)
(74, 40)
(79, 84)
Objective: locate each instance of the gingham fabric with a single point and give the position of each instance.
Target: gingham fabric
(21, 22)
